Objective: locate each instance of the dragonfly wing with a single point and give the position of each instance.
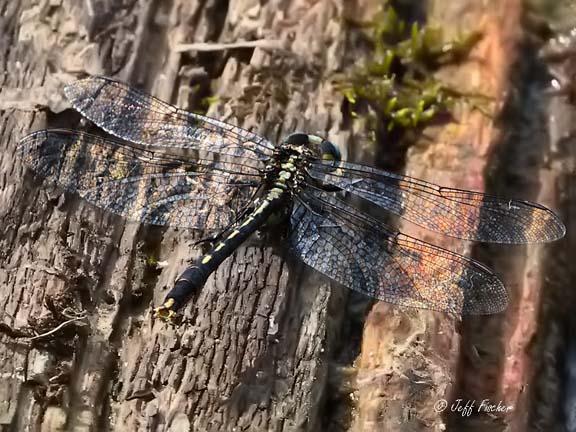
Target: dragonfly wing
(362, 254)
(135, 116)
(454, 212)
(139, 184)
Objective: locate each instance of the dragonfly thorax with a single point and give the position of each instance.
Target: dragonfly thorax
(287, 169)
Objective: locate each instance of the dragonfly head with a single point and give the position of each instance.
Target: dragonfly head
(327, 149)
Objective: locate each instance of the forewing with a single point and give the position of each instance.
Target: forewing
(142, 185)
(364, 255)
(454, 212)
(135, 116)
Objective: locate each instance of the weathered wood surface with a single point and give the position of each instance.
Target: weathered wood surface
(253, 355)
(491, 362)
(550, 405)
(263, 348)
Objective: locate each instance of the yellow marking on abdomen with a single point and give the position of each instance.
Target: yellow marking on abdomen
(276, 192)
(220, 246)
(234, 234)
(260, 209)
(247, 221)
(206, 259)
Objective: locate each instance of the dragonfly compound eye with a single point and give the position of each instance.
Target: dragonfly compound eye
(297, 139)
(330, 152)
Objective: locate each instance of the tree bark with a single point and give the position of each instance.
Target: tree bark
(267, 344)
(490, 363)
(252, 354)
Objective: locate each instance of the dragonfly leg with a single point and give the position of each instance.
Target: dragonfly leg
(217, 237)
(209, 239)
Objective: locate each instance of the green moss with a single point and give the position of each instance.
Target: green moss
(397, 83)
(201, 99)
(206, 102)
(151, 261)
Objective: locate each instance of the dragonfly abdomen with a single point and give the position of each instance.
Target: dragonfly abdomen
(195, 276)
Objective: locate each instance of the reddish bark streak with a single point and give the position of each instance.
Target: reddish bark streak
(457, 158)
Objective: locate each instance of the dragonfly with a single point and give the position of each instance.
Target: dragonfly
(157, 164)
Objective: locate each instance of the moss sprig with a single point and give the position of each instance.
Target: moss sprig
(397, 83)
